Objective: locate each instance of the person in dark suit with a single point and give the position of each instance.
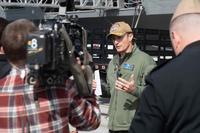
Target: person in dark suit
(4, 65)
(171, 101)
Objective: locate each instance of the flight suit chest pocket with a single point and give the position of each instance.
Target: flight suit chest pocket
(126, 70)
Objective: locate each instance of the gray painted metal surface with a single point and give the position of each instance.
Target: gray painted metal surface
(155, 7)
(31, 13)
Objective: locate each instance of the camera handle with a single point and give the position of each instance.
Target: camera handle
(80, 80)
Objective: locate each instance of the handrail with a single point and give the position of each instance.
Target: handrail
(79, 4)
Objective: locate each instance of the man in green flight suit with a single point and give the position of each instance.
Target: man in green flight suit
(125, 77)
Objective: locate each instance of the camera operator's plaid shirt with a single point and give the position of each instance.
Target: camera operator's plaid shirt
(51, 111)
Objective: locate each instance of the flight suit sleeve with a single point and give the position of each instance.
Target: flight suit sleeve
(147, 67)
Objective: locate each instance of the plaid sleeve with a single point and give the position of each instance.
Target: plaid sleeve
(85, 112)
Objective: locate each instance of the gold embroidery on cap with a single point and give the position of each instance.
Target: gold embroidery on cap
(114, 27)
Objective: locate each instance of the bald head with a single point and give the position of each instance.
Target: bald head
(184, 30)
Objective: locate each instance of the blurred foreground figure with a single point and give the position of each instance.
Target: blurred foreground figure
(28, 108)
(170, 103)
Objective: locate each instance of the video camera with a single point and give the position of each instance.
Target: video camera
(52, 52)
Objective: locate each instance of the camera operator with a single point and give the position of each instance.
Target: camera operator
(53, 109)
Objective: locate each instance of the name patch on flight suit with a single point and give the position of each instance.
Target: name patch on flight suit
(128, 66)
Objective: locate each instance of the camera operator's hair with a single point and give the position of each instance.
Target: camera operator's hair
(14, 39)
(3, 23)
